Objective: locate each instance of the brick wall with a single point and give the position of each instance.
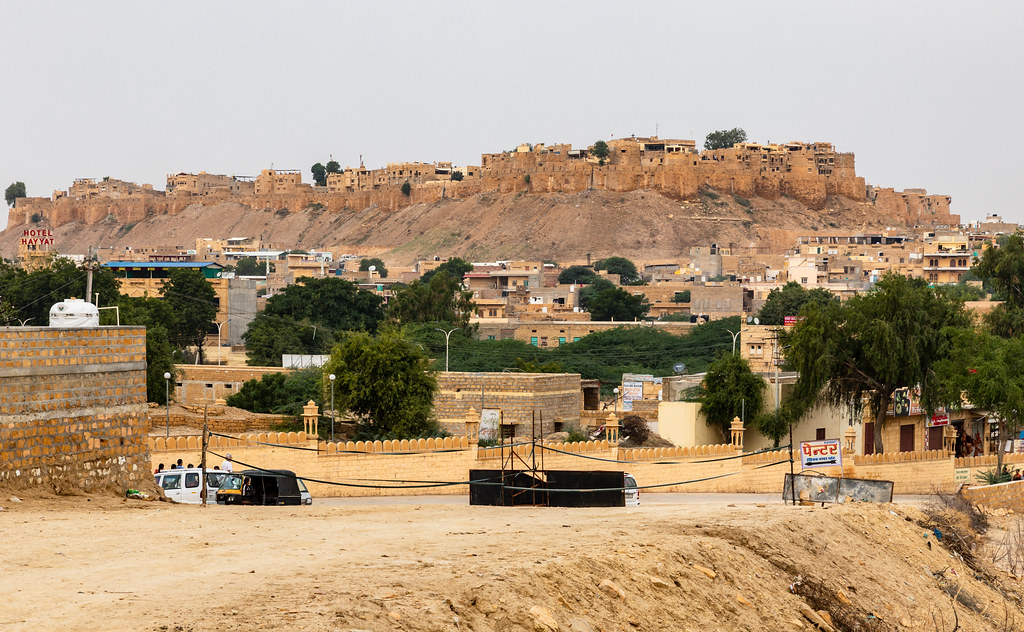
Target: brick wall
(72, 407)
(519, 395)
(1002, 496)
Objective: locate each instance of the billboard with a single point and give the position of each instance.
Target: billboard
(631, 391)
(490, 424)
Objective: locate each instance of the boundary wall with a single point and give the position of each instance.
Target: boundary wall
(375, 468)
(72, 405)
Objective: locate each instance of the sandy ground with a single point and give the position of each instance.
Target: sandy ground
(101, 563)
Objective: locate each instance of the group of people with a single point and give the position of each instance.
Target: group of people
(967, 445)
(225, 465)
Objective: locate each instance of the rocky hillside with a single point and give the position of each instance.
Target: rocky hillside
(642, 225)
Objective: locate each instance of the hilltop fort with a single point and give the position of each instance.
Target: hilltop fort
(809, 173)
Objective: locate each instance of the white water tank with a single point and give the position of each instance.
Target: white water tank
(74, 312)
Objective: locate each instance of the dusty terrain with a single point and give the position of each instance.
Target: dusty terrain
(642, 225)
(101, 563)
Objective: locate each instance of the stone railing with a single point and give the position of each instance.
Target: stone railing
(195, 442)
(644, 454)
(987, 461)
(899, 457)
(398, 446)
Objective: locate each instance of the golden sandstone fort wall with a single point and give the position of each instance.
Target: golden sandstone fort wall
(71, 407)
(809, 175)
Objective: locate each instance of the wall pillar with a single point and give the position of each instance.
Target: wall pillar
(850, 439)
(473, 426)
(736, 430)
(611, 429)
(949, 439)
(311, 419)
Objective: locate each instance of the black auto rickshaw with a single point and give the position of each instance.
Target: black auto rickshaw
(260, 487)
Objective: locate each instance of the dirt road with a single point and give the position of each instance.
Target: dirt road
(81, 563)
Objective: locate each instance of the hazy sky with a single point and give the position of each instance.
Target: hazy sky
(925, 93)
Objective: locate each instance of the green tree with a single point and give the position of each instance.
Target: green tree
(304, 318)
(989, 371)
(251, 266)
(159, 360)
(455, 267)
(279, 393)
(789, 300)
(724, 138)
(386, 381)
(319, 174)
(194, 302)
(577, 274)
(332, 166)
(617, 304)
(406, 188)
(621, 266)
(457, 176)
(533, 366)
(600, 151)
(1003, 268)
(14, 191)
(681, 297)
(588, 293)
(32, 294)
(440, 299)
(377, 264)
(730, 388)
(871, 345)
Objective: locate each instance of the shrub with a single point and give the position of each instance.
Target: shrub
(742, 201)
(406, 188)
(576, 434)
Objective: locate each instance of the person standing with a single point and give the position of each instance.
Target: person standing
(226, 465)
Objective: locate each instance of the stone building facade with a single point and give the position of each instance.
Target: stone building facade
(72, 408)
(555, 398)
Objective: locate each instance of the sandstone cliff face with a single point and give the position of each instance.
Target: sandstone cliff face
(643, 225)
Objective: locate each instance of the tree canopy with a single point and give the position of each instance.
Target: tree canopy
(194, 303)
(577, 274)
(1003, 268)
(455, 267)
(440, 299)
(14, 191)
(279, 393)
(251, 266)
(378, 266)
(386, 381)
(457, 176)
(873, 344)
(725, 138)
(600, 151)
(621, 266)
(304, 318)
(319, 174)
(729, 389)
(789, 300)
(617, 304)
(30, 295)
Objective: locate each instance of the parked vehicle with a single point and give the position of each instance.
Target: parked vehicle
(183, 485)
(262, 487)
(632, 490)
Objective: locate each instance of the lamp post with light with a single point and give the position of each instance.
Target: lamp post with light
(447, 334)
(331, 377)
(167, 401)
(219, 325)
(616, 391)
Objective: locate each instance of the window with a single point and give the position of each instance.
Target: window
(490, 337)
(171, 481)
(533, 340)
(819, 434)
(192, 479)
(575, 338)
(561, 340)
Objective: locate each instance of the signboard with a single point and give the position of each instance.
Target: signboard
(37, 237)
(789, 321)
(490, 422)
(821, 453)
(631, 391)
(962, 475)
(303, 361)
(828, 489)
(938, 419)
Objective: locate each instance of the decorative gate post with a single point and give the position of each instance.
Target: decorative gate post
(611, 428)
(311, 419)
(736, 429)
(473, 426)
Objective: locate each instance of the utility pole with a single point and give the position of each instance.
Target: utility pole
(88, 275)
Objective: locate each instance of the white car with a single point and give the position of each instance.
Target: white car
(632, 490)
(183, 485)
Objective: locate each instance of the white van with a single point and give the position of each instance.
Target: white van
(632, 491)
(183, 485)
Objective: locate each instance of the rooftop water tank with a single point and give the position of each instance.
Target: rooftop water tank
(74, 312)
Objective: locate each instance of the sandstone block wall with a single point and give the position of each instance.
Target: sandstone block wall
(72, 407)
(201, 384)
(1002, 496)
(552, 396)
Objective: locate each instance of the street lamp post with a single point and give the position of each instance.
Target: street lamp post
(331, 377)
(447, 335)
(616, 391)
(219, 325)
(734, 336)
(167, 401)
